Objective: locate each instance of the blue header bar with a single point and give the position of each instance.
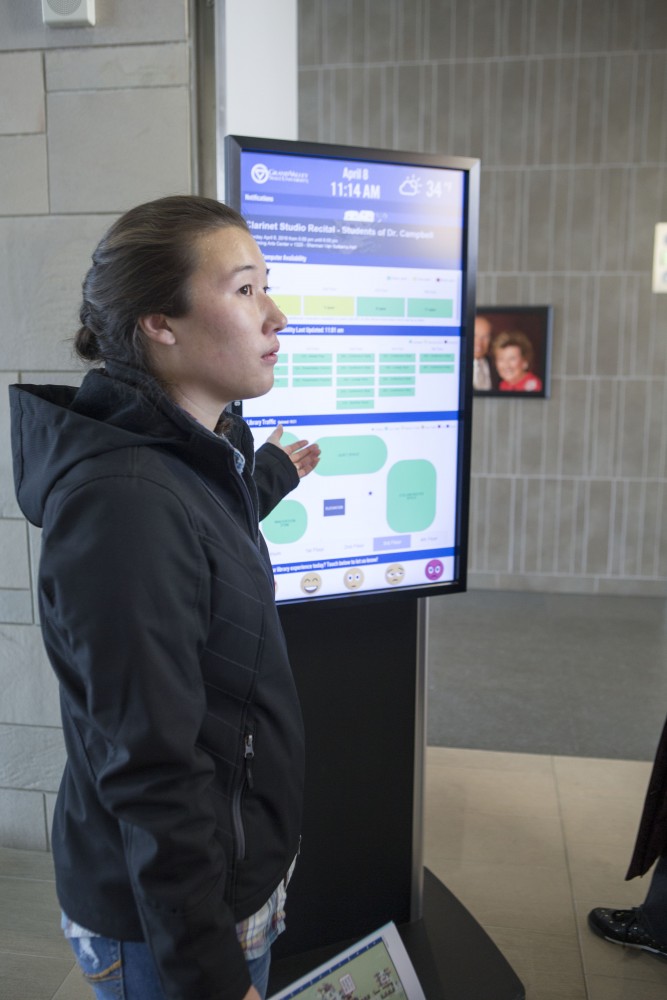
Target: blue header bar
(445, 416)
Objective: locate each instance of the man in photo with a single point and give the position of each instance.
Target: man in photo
(484, 375)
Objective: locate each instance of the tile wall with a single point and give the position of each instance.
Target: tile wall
(565, 103)
(92, 121)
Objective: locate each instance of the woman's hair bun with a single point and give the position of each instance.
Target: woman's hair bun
(86, 344)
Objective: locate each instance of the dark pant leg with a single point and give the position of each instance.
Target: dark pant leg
(654, 907)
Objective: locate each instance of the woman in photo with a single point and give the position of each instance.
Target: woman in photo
(513, 355)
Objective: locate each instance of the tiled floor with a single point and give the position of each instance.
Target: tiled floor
(529, 843)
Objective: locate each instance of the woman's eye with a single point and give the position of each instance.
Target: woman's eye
(245, 289)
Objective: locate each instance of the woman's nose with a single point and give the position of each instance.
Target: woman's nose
(276, 316)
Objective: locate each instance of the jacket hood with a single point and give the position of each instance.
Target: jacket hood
(55, 427)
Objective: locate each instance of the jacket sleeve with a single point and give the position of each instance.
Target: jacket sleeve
(125, 584)
(275, 476)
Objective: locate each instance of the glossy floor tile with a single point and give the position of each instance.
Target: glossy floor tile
(530, 844)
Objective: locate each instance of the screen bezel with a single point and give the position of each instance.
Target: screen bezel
(234, 147)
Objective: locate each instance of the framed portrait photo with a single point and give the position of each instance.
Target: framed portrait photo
(512, 355)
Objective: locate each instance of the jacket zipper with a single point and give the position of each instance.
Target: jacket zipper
(249, 753)
(247, 782)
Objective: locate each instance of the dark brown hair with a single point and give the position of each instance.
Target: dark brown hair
(515, 338)
(142, 265)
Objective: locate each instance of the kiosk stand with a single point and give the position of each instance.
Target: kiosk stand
(373, 258)
(360, 667)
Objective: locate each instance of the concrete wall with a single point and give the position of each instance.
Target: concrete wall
(92, 121)
(565, 103)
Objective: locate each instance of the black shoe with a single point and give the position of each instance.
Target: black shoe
(625, 927)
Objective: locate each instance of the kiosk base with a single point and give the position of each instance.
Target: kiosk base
(454, 957)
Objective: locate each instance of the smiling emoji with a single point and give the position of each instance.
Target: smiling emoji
(311, 583)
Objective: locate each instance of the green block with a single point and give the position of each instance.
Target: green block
(355, 393)
(355, 369)
(397, 369)
(312, 370)
(431, 308)
(411, 495)
(359, 404)
(380, 306)
(353, 455)
(286, 523)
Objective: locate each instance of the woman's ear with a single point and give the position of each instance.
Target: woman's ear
(156, 327)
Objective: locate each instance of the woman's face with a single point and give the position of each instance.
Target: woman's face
(510, 363)
(226, 345)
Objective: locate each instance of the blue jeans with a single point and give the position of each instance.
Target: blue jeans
(124, 970)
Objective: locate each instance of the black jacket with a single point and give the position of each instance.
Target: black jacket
(180, 806)
(651, 841)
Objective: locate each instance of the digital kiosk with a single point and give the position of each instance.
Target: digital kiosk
(372, 258)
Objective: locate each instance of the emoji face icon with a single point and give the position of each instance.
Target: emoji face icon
(353, 579)
(311, 583)
(394, 574)
(434, 570)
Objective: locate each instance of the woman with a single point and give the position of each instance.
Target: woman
(177, 821)
(513, 354)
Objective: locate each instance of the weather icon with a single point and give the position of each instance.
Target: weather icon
(410, 186)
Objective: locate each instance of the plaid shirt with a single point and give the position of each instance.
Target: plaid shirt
(256, 934)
